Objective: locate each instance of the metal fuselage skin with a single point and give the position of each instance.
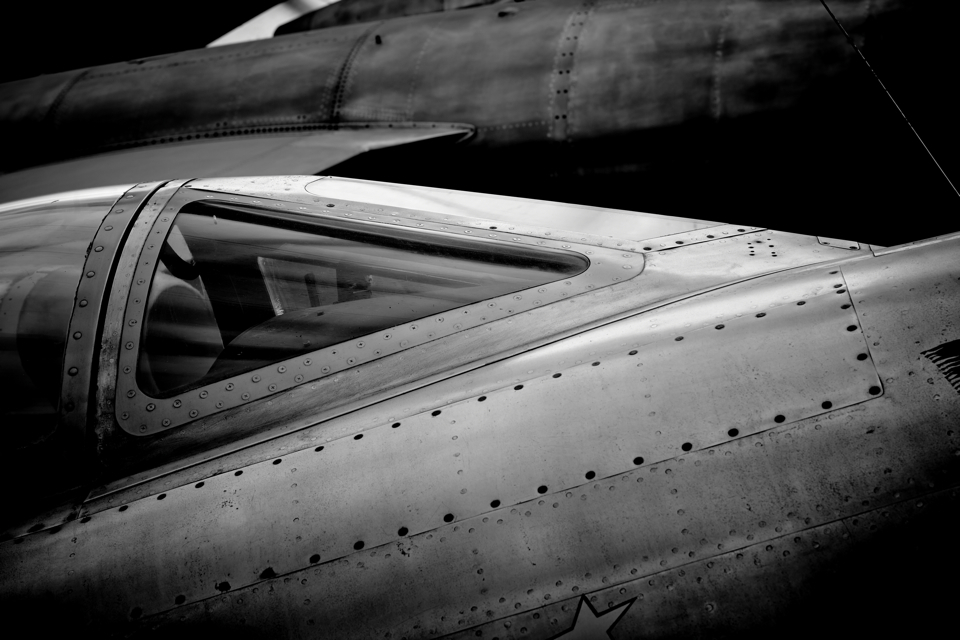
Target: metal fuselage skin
(686, 92)
(707, 443)
(551, 72)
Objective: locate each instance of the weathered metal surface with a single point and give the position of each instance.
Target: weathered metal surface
(676, 273)
(493, 209)
(298, 408)
(83, 334)
(677, 62)
(119, 300)
(838, 244)
(546, 432)
(747, 514)
(355, 11)
(304, 150)
(579, 449)
(44, 244)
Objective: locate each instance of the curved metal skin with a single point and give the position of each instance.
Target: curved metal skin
(540, 73)
(354, 11)
(720, 444)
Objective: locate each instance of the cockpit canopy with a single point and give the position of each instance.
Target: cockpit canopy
(237, 288)
(43, 245)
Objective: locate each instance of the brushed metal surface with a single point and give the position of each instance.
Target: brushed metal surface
(238, 436)
(548, 431)
(493, 209)
(692, 535)
(117, 303)
(83, 332)
(498, 74)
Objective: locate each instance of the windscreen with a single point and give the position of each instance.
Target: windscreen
(236, 289)
(43, 246)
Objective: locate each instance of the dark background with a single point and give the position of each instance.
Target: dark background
(867, 178)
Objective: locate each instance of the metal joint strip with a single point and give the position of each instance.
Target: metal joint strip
(709, 234)
(83, 335)
(294, 190)
(120, 299)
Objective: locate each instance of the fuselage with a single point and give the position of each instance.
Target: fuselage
(656, 432)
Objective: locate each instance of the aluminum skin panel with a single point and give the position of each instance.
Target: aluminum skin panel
(84, 331)
(678, 266)
(678, 62)
(117, 304)
(535, 446)
(296, 151)
(598, 221)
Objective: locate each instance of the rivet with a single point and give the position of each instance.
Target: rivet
(108, 228)
(143, 428)
(131, 393)
(177, 403)
(98, 249)
(194, 413)
(298, 378)
(124, 415)
(204, 394)
(77, 335)
(129, 345)
(151, 407)
(83, 303)
(73, 371)
(165, 422)
(256, 378)
(282, 369)
(132, 322)
(245, 396)
(90, 274)
(307, 362)
(119, 211)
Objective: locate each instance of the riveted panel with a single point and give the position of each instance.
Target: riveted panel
(599, 413)
(139, 414)
(239, 545)
(639, 531)
(491, 351)
(83, 335)
(118, 303)
(563, 76)
(721, 594)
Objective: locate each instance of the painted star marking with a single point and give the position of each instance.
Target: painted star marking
(592, 625)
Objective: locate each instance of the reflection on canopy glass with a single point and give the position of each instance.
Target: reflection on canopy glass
(236, 289)
(43, 246)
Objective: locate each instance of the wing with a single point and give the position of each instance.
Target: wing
(273, 153)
